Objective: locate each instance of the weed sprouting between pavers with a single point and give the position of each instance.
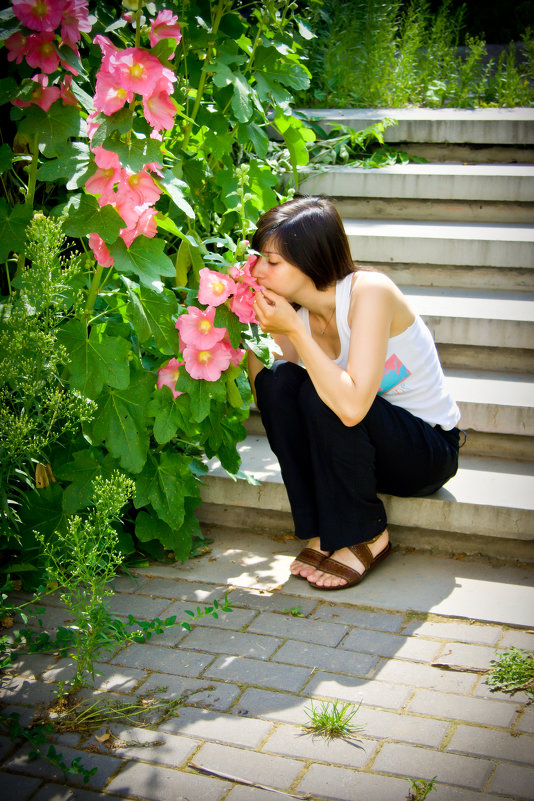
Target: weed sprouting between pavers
(420, 788)
(512, 672)
(332, 720)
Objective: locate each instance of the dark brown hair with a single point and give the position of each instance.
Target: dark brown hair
(308, 233)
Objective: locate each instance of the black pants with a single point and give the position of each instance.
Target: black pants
(333, 472)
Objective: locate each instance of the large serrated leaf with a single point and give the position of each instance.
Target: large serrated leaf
(174, 188)
(145, 258)
(95, 360)
(72, 162)
(163, 483)
(136, 153)
(84, 216)
(52, 128)
(169, 414)
(13, 222)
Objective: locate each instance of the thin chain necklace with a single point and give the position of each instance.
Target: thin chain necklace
(328, 323)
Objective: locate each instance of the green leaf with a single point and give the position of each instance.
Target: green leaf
(174, 188)
(145, 258)
(164, 484)
(169, 414)
(200, 393)
(84, 467)
(8, 90)
(242, 98)
(255, 134)
(72, 162)
(95, 360)
(53, 127)
(224, 318)
(42, 510)
(13, 224)
(84, 216)
(82, 97)
(136, 153)
(182, 263)
(120, 422)
(136, 312)
(161, 310)
(121, 121)
(262, 345)
(232, 391)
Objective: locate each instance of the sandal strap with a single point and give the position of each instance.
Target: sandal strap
(309, 556)
(338, 569)
(363, 553)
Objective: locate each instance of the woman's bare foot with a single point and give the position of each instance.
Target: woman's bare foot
(320, 579)
(301, 568)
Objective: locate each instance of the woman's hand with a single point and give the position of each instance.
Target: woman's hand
(274, 313)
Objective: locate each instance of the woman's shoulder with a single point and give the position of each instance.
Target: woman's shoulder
(365, 281)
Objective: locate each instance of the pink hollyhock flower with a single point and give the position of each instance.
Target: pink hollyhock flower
(105, 178)
(145, 225)
(100, 250)
(43, 95)
(242, 304)
(214, 288)
(108, 49)
(235, 354)
(110, 96)
(197, 328)
(17, 45)
(160, 111)
(168, 376)
(92, 126)
(75, 20)
(137, 188)
(207, 364)
(66, 92)
(153, 166)
(165, 26)
(39, 15)
(41, 53)
(136, 70)
(128, 212)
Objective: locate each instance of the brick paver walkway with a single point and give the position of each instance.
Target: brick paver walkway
(248, 678)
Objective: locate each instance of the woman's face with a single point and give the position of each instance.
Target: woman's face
(273, 272)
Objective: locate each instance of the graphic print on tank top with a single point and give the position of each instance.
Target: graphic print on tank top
(394, 372)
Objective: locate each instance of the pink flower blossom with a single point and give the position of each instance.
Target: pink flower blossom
(75, 20)
(164, 26)
(67, 95)
(197, 328)
(235, 354)
(137, 188)
(153, 166)
(214, 288)
(39, 15)
(92, 126)
(159, 111)
(100, 250)
(242, 304)
(108, 49)
(105, 178)
(135, 70)
(43, 95)
(41, 53)
(168, 376)
(145, 225)
(17, 45)
(110, 95)
(207, 364)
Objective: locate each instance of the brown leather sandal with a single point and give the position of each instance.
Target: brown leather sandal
(351, 576)
(309, 556)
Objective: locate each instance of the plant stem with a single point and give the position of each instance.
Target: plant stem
(93, 290)
(32, 173)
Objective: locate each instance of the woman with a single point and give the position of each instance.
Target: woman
(357, 404)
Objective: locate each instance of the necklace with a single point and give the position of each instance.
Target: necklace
(328, 323)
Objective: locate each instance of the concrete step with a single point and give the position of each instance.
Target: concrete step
(492, 211)
(509, 360)
(511, 183)
(473, 277)
(491, 126)
(488, 498)
(447, 243)
(476, 317)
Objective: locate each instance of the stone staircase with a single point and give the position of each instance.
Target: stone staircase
(457, 234)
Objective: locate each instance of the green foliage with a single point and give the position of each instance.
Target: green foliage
(512, 672)
(420, 789)
(332, 719)
(384, 53)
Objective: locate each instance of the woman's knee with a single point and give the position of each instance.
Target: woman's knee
(279, 383)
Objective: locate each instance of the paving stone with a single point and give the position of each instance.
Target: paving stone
(225, 642)
(210, 725)
(165, 660)
(271, 602)
(16, 787)
(490, 743)
(293, 741)
(455, 631)
(141, 780)
(423, 763)
(361, 618)
(417, 675)
(30, 665)
(19, 690)
(460, 707)
(180, 590)
(526, 720)
(109, 678)
(243, 793)
(402, 727)
(295, 628)
(258, 672)
(25, 715)
(368, 692)
(513, 780)
(519, 639)
(341, 784)
(6, 745)
(385, 644)
(483, 690)
(320, 656)
(168, 750)
(208, 694)
(273, 771)
(143, 608)
(235, 619)
(129, 584)
(444, 792)
(473, 656)
(53, 792)
(41, 768)
(272, 706)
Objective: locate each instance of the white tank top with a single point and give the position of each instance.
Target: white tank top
(413, 377)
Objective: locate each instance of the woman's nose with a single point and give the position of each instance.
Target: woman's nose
(258, 269)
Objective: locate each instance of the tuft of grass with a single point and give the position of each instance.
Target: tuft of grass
(294, 611)
(420, 788)
(332, 720)
(512, 672)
